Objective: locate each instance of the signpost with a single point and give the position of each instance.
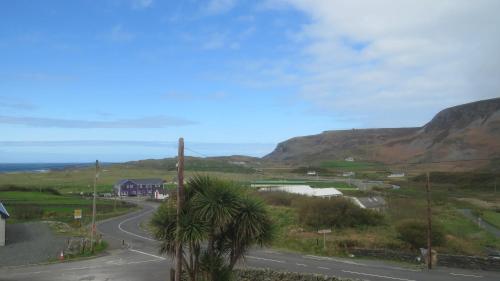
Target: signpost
(78, 216)
(324, 232)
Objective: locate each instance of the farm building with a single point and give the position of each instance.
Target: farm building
(4, 215)
(301, 190)
(139, 187)
(396, 175)
(376, 203)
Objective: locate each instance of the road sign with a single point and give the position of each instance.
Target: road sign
(324, 231)
(78, 214)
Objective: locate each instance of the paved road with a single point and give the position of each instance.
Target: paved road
(141, 261)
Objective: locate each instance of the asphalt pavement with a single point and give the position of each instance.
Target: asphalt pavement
(134, 256)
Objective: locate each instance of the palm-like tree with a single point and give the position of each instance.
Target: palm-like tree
(219, 214)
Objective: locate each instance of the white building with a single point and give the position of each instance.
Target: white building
(4, 215)
(300, 189)
(348, 174)
(396, 175)
(349, 159)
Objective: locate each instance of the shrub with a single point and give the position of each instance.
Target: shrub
(277, 198)
(336, 212)
(414, 232)
(27, 212)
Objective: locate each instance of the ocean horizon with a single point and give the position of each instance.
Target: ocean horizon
(39, 167)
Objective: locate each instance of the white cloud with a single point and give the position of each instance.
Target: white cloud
(16, 104)
(141, 4)
(120, 35)
(144, 122)
(220, 6)
(386, 57)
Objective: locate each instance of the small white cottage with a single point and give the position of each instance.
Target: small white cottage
(4, 215)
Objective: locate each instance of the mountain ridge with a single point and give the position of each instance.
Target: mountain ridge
(460, 132)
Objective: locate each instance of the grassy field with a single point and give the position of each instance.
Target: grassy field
(351, 166)
(409, 202)
(463, 236)
(81, 180)
(492, 217)
(29, 205)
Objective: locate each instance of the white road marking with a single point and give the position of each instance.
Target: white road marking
(331, 259)
(466, 275)
(301, 264)
(133, 234)
(147, 254)
(375, 275)
(264, 259)
(320, 267)
(136, 262)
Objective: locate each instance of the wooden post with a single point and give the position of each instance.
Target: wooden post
(180, 201)
(92, 232)
(429, 223)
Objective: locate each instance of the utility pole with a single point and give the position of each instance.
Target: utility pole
(429, 223)
(180, 201)
(92, 233)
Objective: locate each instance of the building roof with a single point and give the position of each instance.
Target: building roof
(371, 202)
(303, 189)
(141, 181)
(3, 212)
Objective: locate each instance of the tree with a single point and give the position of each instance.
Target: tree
(217, 214)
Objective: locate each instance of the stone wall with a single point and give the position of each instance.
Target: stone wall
(469, 262)
(386, 254)
(253, 274)
(270, 275)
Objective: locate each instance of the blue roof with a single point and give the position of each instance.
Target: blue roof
(4, 212)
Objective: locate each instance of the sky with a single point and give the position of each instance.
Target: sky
(120, 80)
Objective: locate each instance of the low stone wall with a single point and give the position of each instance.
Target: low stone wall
(248, 274)
(469, 262)
(254, 274)
(386, 254)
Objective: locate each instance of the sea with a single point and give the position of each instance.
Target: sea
(38, 167)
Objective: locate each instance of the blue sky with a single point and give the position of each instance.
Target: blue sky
(121, 80)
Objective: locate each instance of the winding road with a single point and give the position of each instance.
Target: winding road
(134, 256)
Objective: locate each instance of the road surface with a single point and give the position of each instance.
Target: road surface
(139, 260)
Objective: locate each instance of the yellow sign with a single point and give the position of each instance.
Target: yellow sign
(78, 214)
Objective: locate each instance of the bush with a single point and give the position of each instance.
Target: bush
(414, 232)
(336, 212)
(27, 212)
(277, 198)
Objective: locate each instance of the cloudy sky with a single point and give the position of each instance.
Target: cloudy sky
(119, 80)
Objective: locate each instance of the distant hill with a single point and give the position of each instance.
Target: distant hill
(463, 132)
(235, 164)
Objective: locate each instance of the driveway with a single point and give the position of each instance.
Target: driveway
(30, 243)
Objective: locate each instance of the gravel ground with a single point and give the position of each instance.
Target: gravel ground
(30, 243)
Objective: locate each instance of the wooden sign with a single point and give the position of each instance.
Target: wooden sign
(78, 214)
(324, 231)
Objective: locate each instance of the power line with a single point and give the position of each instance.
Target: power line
(196, 152)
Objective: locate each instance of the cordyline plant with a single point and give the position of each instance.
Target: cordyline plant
(218, 224)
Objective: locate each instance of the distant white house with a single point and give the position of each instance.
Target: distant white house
(300, 189)
(4, 215)
(312, 173)
(348, 174)
(349, 159)
(396, 175)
